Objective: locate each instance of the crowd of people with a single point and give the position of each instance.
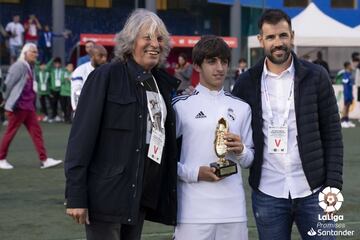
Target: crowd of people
(136, 152)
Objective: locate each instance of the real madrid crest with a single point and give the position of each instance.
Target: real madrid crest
(231, 114)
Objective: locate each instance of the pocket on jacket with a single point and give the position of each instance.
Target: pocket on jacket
(120, 112)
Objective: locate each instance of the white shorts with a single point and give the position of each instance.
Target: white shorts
(211, 231)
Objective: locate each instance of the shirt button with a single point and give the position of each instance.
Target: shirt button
(138, 77)
(137, 150)
(129, 220)
(140, 116)
(133, 185)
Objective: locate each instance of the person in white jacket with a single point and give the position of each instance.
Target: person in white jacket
(210, 207)
(98, 56)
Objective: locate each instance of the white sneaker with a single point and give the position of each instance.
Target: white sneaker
(5, 123)
(57, 119)
(351, 124)
(45, 119)
(5, 164)
(345, 125)
(50, 162)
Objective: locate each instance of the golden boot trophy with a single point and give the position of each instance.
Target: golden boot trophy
(224, 167)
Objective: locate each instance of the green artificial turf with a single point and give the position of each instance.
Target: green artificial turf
(31, 199)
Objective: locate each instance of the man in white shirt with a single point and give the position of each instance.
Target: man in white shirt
(210, 207)
(15, 30)
(297, 135)
(78, 77)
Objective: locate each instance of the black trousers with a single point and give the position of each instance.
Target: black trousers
(55, 96)
(115, 231)
(65, 102)
(44, 100)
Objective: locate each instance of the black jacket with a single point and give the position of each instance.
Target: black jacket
(104, 161)
(317, 119)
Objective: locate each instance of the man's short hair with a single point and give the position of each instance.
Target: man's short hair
(347, 64)
(100, 49)
(242, 60)
(210, 47)
(57, 60)
(273, 17)
(355, 55)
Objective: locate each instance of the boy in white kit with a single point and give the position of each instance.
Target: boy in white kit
(209, 207)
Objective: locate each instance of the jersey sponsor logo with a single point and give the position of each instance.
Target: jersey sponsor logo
(200, 115)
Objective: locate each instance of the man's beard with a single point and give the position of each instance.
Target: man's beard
(279, 60)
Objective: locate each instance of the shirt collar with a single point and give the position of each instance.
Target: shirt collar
(290, 70)
(205, 90)
(137, 72)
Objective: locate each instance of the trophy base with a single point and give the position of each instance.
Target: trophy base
(224, 168)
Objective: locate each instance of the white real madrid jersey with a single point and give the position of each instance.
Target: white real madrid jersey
(197, 116)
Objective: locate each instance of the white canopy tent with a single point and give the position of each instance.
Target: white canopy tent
(314, 28)
(314, 31)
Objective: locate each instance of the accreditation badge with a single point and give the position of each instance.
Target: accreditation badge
(57, 82)
(277, 139)
(43, 87)
(156, 146)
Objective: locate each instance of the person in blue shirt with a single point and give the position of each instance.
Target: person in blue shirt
(347, 82)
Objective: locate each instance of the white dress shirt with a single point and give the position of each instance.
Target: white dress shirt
(282, 173)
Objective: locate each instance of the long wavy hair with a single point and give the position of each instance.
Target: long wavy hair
(125, 39)
(26, 48)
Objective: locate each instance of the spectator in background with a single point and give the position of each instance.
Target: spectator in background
(183, 72)
(319, 60)
(355, 60)
(3, 33)
(78, 78)
(307, 57)
(56, 74)
(241, 68)
(84, 59)
(32, 27)
(65, 92)
(347, 82)
(45, 44)
(15, 31)
(20, 101)
(43, 83)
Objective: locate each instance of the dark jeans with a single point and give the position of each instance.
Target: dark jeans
(44, 100)
(65, 103)
(115, 231)
(55, 96)
(275, 216)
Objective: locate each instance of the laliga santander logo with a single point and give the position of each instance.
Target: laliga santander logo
(330, 199)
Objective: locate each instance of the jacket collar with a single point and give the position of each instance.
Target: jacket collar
(139, 74)
(136, 72)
